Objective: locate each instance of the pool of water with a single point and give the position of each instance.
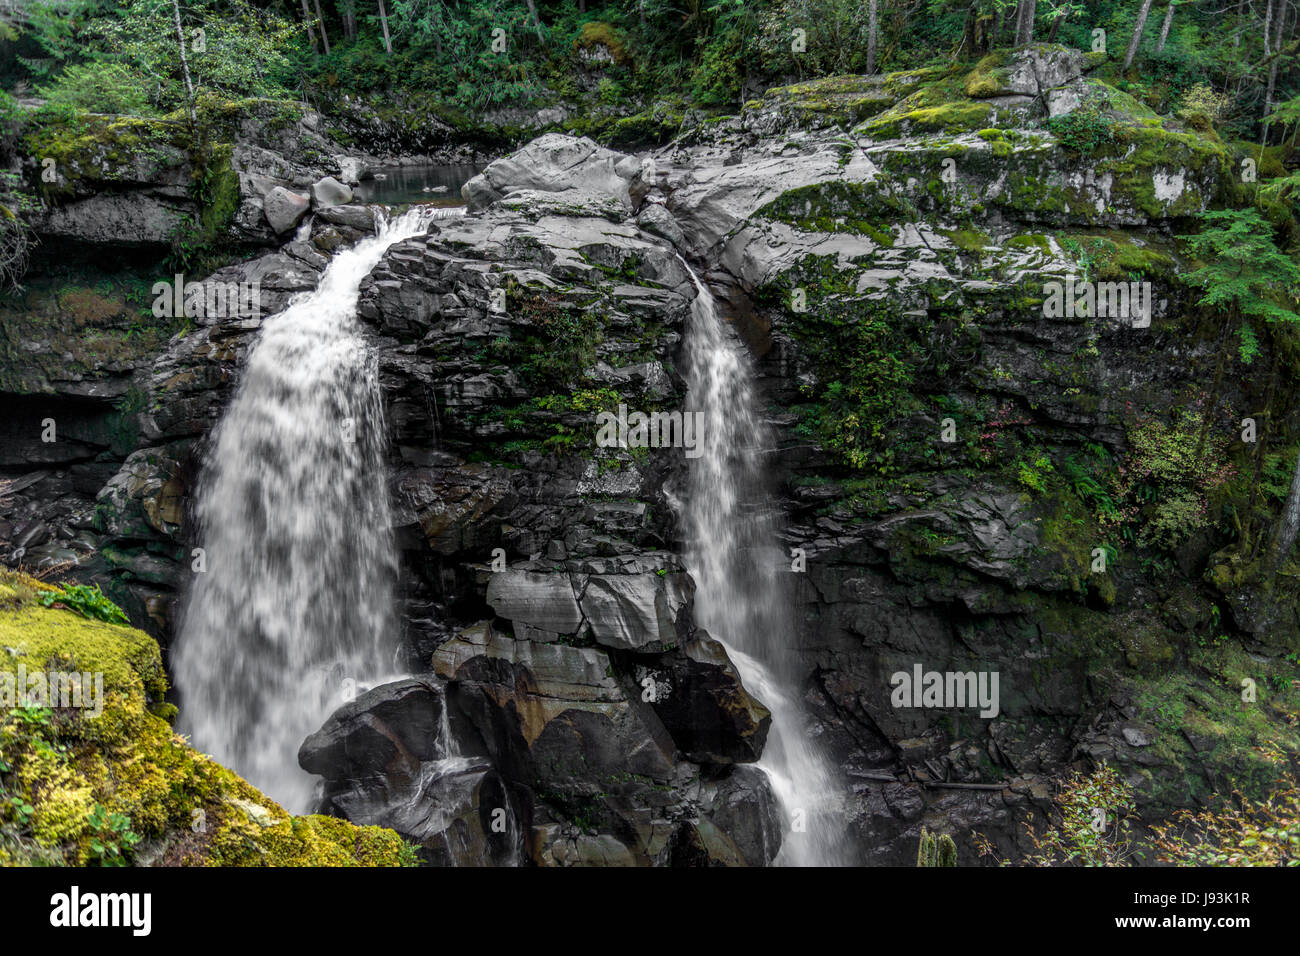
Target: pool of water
(398, 185)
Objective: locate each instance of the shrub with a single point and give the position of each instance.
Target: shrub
(1092, 825)
(1252, 833)
(1084, 131)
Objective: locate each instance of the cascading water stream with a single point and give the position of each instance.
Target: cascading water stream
(295, 599)
(742, 587)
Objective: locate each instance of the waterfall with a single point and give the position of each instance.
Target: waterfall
(742, 580)
(293, 606)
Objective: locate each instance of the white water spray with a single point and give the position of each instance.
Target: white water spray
(742, 589)
(296, 597)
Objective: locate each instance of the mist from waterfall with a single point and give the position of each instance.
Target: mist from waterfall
(743, 594)
(294, 608)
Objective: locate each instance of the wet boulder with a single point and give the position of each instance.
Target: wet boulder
(390, 729)
(701, 700)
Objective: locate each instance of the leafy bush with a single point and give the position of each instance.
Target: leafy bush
(1092, 825)
(1252, 833)
(88, 601)
(1084, 131)
(1032, 474)
(111, 838)
(1162, 489)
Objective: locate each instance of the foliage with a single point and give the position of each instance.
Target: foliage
(1243, 833)
(1093, 825)
(85, 600)
(1162, 489)
(1033, 473)
(1084, 131)
(98, 88)
(1244, 271)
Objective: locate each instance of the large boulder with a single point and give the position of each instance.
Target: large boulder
(556, 163)
(635, 612)
(553, 714)
(740, 821)
(285, 208)
(330, 192)
(387, 730)
(706, 708)
(389, 758)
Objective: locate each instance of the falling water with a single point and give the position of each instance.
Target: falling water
(294, 602)
(742, 595)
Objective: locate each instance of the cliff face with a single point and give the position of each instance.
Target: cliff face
(953, 454)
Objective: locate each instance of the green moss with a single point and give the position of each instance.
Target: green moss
(71, 782)
(967, 240)
(914, 117)
(837, 206)
(1116, 255)
(837, 100)
(1034, 241)
(902, 82)
(987, 79)
(596, 33)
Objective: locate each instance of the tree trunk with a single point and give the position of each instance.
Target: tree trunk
(1056, 26)
(311, 31)
(1276, 21)
(1025, 22)
(383, 22)
(1138, 27)
(537, 23)
(348, 9)
(320, 21)
(185, 65)
(1290, 523)
(873, 29)
(1164, 27)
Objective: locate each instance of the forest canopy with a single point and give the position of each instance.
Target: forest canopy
(1235, 61)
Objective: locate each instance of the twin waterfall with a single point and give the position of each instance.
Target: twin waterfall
(742, 580)
(296, 598)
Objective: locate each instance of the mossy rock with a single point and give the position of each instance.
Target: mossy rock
(596, 34)
(830, 101)
(80, 788)
(921, 114)
(1115, 255)
(839, 206)
(988, 78)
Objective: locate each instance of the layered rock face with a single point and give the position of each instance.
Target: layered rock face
(885, 247)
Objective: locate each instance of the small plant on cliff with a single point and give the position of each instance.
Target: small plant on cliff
(1163, 488)
(111, 838)
(1084, 131)
(87, 601)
